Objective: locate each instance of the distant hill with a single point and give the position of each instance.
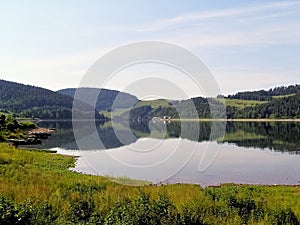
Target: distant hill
(276, 103)
(34, 102)
(186, 108)
(279, 102)
(281, 108)
(106, 98)
(263, 95)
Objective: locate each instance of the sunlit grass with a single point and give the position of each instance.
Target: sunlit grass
(114, 113)
(283, 96)
(153, 103)
(241, 104)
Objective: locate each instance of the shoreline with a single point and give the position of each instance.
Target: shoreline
(186, 119)
(126, 180)
(232, 120)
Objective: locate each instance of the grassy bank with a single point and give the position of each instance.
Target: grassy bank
(37, 188)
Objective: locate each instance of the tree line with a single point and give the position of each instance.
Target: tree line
(263, 95)
(33, 102)
(276, 108)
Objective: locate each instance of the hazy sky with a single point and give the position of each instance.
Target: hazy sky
(246, 44)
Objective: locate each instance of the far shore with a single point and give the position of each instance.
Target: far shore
(234, 120)
(180, 119)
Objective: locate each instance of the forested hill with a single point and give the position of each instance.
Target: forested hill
(277, 108)
(263, 95)
(106, 98)
(276, 103)
(34, 102)
(279, 102)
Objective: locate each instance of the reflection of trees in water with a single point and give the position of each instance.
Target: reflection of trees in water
(64, 134)
(140, 127)
(279, 136)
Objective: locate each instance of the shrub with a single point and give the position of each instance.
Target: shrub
(279, 216)
(27, 125)
(8, 212)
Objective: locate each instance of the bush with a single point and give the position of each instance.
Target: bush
(30, 213)
(8, 213)
(143, 211)
(27, 125)
(81, 208)
(281, 216)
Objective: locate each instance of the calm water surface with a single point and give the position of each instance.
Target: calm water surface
(249, 152)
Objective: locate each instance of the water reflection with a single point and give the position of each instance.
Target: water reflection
(277, 136)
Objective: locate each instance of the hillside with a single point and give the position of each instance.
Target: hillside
(106, 98)
(284, 107)
(263, 95)
(33, 102)
(276, 103)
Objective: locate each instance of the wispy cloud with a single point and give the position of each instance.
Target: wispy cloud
(204, 15)
(253, 25)
(274, 34)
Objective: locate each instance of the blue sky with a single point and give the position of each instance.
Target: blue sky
(247, 45)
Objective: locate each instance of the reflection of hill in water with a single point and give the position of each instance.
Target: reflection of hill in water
(279, 136)
(64, 136)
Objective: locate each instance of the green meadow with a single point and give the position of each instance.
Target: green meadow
(37, 188)
(154, 103)
(241, 103)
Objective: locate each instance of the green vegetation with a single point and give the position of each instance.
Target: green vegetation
(263, 95)
(112, 114)
(153, 103)
(37, 188)
(32, 102)
(241, 104)
(276, 103)
(276, 108)
(11, 128)
(283, 96)
(25, 101)
(108, 100)
(149, 107)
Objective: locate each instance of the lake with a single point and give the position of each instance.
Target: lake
(205, 153)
